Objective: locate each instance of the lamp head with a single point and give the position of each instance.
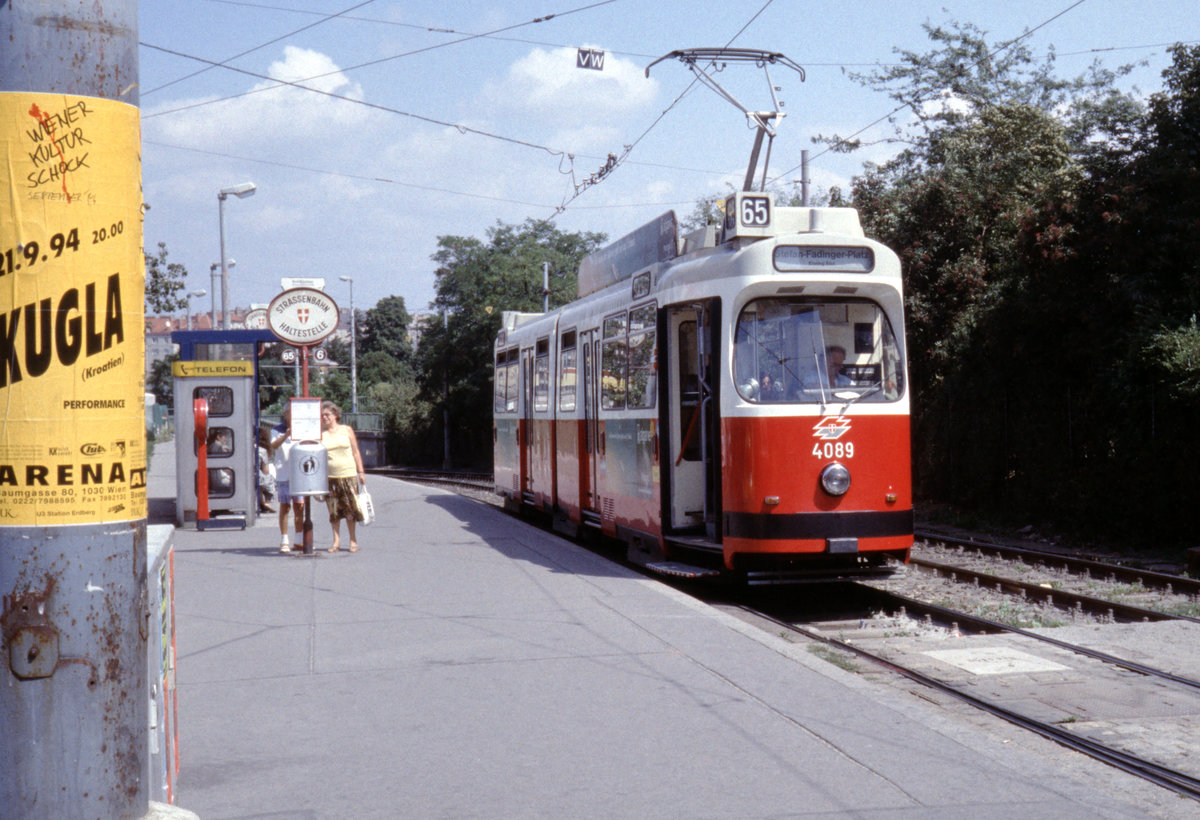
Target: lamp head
(241, 191)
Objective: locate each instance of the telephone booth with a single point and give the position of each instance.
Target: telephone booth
(220, 366)
(229, 436)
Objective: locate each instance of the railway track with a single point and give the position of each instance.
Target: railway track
(475, 481)
(1075, 586)
(1084, 566)
(959, 622)
(1165, 776)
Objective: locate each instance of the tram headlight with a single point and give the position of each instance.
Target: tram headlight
(835, 479)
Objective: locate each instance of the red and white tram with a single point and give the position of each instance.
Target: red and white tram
(733, 402)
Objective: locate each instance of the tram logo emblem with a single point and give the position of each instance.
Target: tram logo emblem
(302, 315)
(831, 428)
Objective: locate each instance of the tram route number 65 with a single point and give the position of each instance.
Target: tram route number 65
(755, 211)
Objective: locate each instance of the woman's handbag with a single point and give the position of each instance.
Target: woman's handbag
(365, 506)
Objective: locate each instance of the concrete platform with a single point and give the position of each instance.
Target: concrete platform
(464, 664)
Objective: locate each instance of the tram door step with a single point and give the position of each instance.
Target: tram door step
(680, 570)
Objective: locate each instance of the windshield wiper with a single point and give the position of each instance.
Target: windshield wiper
(850, 398)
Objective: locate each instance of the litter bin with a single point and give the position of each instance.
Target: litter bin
(310, 469)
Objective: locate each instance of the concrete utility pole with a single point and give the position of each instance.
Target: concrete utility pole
(73, 667)
(353, 349)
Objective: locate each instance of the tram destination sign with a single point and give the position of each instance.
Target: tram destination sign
(302, 316)
(824, 258)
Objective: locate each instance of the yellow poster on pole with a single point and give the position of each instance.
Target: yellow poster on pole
(72, 279)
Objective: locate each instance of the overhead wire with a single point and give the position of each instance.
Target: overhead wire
(384, 180)
(637, 54)
(464, 129)
(542, 19)
(258, 47)
(662, 115)
(344, 175)
(611, 163)
(298, 83)
(899, 108)
(432, 29)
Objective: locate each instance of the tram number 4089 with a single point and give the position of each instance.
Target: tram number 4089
(841, 449)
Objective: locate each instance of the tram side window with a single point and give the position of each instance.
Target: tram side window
(512, 369)
(642, 383)
(567, 376)
(505, 381)
(498, 385)
(541, 377)
(614, 363)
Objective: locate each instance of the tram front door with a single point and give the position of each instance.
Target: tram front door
(691, 411)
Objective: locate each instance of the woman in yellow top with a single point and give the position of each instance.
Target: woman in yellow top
(345, 473)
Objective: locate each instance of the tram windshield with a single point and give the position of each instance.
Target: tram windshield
(796, 350)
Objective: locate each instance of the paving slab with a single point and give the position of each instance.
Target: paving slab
(466, 664)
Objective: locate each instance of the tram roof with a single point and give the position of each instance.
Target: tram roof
(658, 241)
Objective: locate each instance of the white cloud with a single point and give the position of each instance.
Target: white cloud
(578, 106)
(947, 102)
(269, 113)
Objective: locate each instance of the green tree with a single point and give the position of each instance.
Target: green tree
(162, 381)
(987, 202)
(377, 367)
(475, 281)
(276, 381)
(164, 283)
(384, 330)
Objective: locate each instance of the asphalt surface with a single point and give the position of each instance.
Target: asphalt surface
(466, 664)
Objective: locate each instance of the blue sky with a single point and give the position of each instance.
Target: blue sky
(447, 132)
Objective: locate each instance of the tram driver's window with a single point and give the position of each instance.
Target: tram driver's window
(812, 351)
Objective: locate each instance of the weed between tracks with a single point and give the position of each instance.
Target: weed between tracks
(836, 658)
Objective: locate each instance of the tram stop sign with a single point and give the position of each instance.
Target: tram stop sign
(303, 316)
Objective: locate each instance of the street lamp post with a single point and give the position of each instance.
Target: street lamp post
(241, 192)
(353, 350)
(215, 272)
(200, 292)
